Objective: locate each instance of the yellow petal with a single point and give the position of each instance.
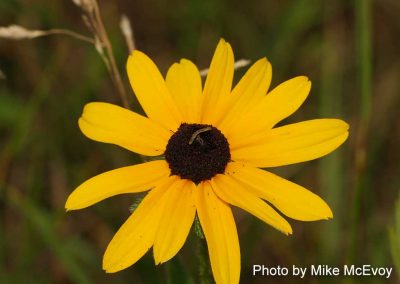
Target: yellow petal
(218, 84)
(294, 143)
(137, 234)
(291, 199)
(130, 179)
(152, 92)
(176, 221)
(232, 192)
(275, 106)
(220, 231)
(113, 124)
(247, 93)
(285, 99)
(184, 83)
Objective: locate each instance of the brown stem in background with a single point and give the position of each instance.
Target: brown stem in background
(92, 19)
(69, 33)
(112, 66)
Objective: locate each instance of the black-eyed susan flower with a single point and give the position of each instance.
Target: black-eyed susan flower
(214, 140)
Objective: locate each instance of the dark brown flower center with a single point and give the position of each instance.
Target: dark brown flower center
(197, 152)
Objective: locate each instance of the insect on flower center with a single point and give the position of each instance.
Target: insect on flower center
(197, 152)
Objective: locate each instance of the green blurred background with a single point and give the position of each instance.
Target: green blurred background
(349, 50)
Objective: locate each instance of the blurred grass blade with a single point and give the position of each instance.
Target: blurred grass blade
(362, 10)
(44, 225)
(394, 237)
(363, 28)
(331, 174)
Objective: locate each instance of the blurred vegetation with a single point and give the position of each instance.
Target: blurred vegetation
(394, 234)
(349, 49)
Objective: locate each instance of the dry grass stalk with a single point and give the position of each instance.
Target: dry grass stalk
(238, 64)
(92, 19)
(127, 32)
(2, 75)
(16, 32)
(86, 5)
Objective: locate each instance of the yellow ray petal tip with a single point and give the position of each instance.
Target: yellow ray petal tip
(69, 207)
(289, 232)
(329, 215)
(111, 268)
(222, 40)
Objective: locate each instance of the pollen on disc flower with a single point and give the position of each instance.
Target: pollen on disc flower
(214, 139)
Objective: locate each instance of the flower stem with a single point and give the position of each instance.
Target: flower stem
(202, 255)
(202, 262)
